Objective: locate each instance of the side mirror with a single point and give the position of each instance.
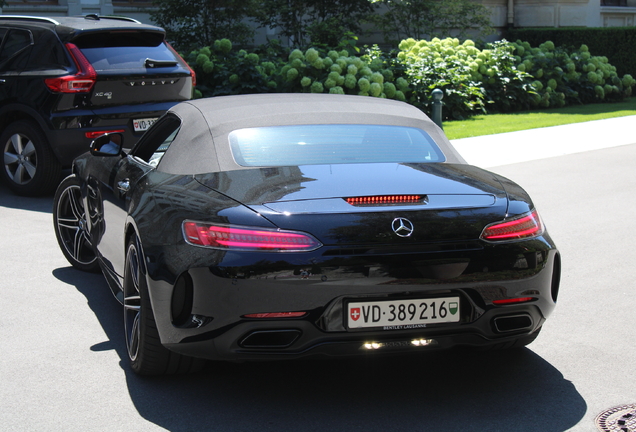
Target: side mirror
(107, 145)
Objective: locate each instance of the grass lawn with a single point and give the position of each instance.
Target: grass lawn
(498, 123)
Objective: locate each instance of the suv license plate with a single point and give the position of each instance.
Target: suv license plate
(141, 125)
(400, 313)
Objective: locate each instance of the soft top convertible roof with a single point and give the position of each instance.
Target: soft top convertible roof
(202, 145)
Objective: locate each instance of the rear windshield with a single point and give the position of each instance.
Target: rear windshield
(110, 58)
(332, 144)
(123, 50)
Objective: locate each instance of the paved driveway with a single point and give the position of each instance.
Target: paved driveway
(63, 364)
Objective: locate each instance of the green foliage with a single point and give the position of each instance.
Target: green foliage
(507, 76)
(501, 77)
(222, 70)
(474, 81)
(616, 43)
(337, 72)
(421, 19)
(315, 22)
(507, 87)
(564, 77)
(196, 23)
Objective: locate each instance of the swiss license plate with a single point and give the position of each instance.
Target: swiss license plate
(141, 125)
(400, 314)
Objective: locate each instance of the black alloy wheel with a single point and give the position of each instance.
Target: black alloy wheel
(132, 305)
(30, 167)
(146, 354)
(71, 228)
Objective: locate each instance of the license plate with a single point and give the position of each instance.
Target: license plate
(141, 125)
(401, 314)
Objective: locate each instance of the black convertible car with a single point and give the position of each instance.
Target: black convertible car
(282, 226)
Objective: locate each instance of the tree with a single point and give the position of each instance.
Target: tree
(195, 23)
(422, 19)
(314, 21)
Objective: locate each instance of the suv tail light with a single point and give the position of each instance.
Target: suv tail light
(522, 227)
(192, 73)
(94, 134)
(81, 82)
(226, 237)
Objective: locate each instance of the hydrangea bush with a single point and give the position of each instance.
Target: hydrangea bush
(473, 80)
(561, 77)
(339, 72)
(223, 70)
(507, 76)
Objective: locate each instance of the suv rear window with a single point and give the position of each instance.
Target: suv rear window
(332, 144)
(111, 51)
(127, 57)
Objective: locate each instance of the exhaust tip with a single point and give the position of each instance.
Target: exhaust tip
(270, 339)
(505, 324)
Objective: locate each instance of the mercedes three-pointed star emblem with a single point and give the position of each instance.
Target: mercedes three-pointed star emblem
(402, 227)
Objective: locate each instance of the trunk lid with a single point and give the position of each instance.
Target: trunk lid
(457, 201)
(134, 67)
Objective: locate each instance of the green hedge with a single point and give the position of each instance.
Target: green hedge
(502, 77)
(565, 77)
(615, 43)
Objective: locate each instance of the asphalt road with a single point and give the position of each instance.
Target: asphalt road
(63, 363)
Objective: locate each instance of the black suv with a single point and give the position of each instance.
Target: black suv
(66, 80)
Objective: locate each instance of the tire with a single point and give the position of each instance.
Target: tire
(30, 167)
(71, 229)
(146, 354)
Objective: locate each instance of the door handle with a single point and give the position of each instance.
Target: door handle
(123, 186)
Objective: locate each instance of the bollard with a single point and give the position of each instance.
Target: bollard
(437, 107)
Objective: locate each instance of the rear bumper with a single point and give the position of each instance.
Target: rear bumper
(68, 135)
(216, 328)
(301, 339)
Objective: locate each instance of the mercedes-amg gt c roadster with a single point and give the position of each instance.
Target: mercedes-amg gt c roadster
(281, 226)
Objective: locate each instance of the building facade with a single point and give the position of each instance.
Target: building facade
(137, 9)
(505, 13)
(562, 13)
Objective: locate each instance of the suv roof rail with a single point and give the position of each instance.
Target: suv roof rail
(29, 18)
(113, 17)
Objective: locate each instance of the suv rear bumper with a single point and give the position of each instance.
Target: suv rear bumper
(68, 134)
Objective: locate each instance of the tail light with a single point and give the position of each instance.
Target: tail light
(95, 134)
(229, 237)
(522, 227)
(177, 55)
(81, 82)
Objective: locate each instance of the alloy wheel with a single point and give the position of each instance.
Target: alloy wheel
(132, 302)
(72, 227)
(20, 158)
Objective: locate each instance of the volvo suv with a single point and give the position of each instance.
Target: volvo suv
(66, 80)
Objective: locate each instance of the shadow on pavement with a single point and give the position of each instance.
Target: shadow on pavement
(453, 391)
(38, 204)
